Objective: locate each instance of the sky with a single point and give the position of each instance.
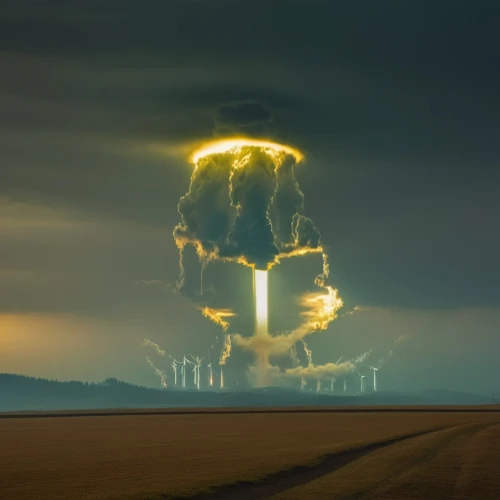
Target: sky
(394, 104)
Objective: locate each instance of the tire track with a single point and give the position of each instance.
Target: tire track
(478, 464)
(429, 471)
(282, 481)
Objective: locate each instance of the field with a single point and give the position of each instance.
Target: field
(263, 454)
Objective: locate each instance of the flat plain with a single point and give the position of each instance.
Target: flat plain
(277, 454)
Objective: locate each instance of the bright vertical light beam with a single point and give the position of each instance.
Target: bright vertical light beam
(260, 290)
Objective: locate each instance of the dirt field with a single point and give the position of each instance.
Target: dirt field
(396, 455)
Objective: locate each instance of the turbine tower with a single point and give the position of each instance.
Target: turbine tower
(302, 383)
(183, 372)
(375, 370)
(318, 386)
(210, 375)
(362, 382)
(194, 375)
(221, 377)
(345, 385)
(194, 370)
(174, 368)
(332, 379)
(198, 366)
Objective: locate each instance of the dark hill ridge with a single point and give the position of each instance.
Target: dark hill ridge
(19, 392)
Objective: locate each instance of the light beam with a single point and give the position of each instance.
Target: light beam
(261, 301)
(261, 323)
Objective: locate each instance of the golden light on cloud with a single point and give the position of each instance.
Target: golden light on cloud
(217, 316)
(235, 144)
(244, 205)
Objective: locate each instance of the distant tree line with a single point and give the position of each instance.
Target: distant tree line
(19, 392)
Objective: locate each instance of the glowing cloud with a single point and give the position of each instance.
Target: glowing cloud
(226, 213)
(320, 372)
(244, 205)
(236, 144)
(320, 310)
(217, 316)
(326, 371)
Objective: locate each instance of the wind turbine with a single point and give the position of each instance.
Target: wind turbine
(184, 368)
(196, 369)
(210, 374)
(174, 367)
(375, 370)
(362, 382)
(183, 372)
(194, 375)
(198, 366)
(332, 381)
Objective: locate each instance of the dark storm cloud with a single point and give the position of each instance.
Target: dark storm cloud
(395, 104)
(292, 229)
(205, 208)
(242, 117)
(305, 234)
(252, 190)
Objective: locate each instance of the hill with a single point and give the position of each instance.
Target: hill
(18, 392)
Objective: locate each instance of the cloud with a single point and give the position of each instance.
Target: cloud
(217, 316)
(242, 117)
(151, 283)
(320, 372)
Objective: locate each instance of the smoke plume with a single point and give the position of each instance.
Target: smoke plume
(159, 373)
(153, 345)
(226, 350)
(326, 371)
(351, 311)
(362, 357)
(320, 372)
(308, 353)
(294, 356)
(402, 339)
